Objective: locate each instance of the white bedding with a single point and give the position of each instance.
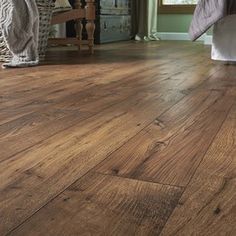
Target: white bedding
(224, 39)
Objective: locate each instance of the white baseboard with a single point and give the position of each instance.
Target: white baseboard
(207, 39)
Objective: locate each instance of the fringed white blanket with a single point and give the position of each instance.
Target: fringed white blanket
(19, 23)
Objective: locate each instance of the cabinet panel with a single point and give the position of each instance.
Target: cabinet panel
(113, 21)
(112, 28)
(110, 7)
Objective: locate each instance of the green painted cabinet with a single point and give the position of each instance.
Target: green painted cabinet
(113, 21)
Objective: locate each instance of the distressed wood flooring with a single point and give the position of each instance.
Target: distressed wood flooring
(138, 139)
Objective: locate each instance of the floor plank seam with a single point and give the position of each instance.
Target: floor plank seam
(140, 180)
(199, 165)
(87, 141)
(84, 78)
(91, 170)
(100, 163)
(49, 201)
(128, 97)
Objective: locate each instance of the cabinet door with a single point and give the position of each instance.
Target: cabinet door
(107, 4)
(112, 28)
(124, 4)
(114, 7)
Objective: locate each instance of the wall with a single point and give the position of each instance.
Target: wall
(178, 23)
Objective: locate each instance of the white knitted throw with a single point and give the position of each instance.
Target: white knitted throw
(19, 23)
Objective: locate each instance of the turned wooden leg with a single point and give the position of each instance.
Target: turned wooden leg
(78, 25)
(90, 28)
(90, 25)
(78, 30)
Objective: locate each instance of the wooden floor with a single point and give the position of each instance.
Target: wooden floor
(139, 139)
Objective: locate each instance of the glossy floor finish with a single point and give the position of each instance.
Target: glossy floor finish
(138, 139)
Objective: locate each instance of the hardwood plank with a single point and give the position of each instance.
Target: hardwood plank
(120, 112)
(42, 89)
(50, 88)
(77, 107)
(38, 126)
(170, 150)
(83, 105)
(24, 101)
(33, 177)
(224, 78)
(208, 206)
(73, 59)
(105, 205)
(69, 96)
(48, 74)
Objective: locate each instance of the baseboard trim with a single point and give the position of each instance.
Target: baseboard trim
(207, 39)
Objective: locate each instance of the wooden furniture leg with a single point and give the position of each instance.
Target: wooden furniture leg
(78, 14)
(90, 25)
(78, 25)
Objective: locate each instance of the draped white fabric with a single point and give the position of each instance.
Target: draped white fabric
(224, 40)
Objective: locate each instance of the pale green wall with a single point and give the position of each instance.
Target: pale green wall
(174, 23)
(177, 23)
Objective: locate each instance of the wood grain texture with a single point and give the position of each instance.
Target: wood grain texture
(76, 97)
(70, 154)
(104, 205)
(71, 110)
(134, 119)
(208, 206)
(170, 149)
